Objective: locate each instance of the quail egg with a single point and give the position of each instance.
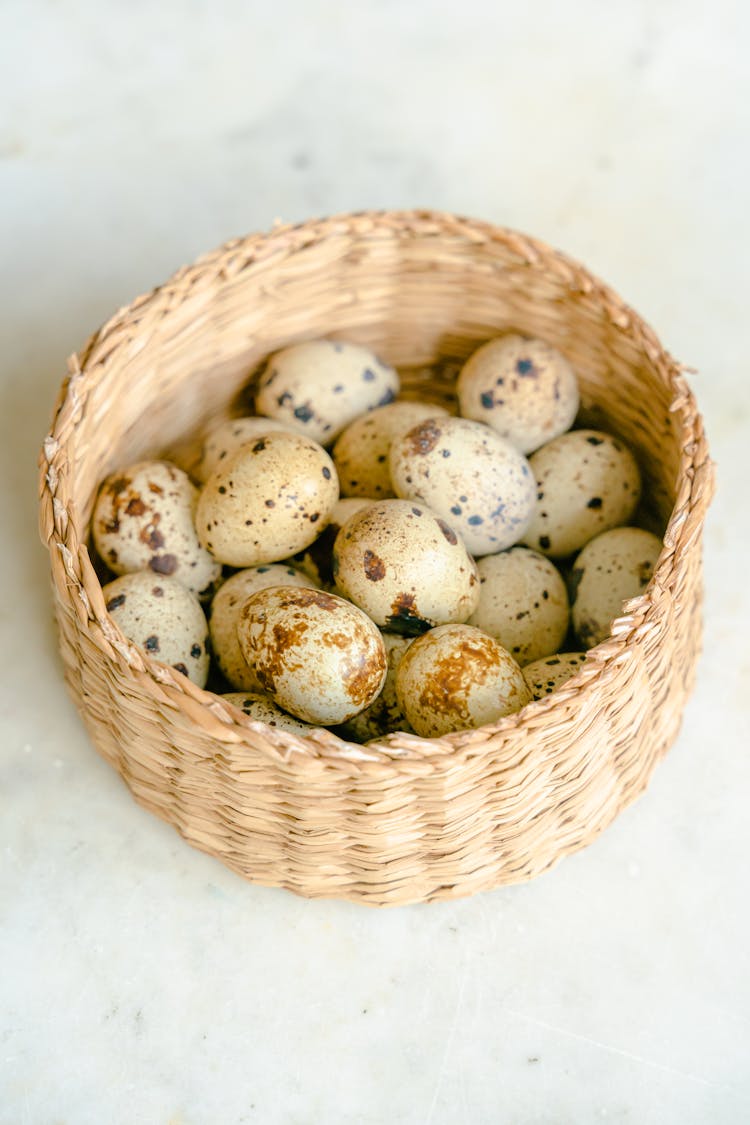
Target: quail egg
(587, 482)
(523, 603)
(456, 678)
(143, 517)
(470, 476)
(264, 710)
(405, 567)
(268, 500)
(226, 438)
(524, 389)
(163, 618)
(319, 387)
(361, 452)
(225, 612)
(544, 676)
(612, 568)
(315, 654)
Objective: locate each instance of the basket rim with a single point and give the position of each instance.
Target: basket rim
(61, 536)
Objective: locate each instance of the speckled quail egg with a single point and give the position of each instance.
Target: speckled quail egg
(612, 568)
(544, 676)
(470, 476)
(163, 618)
(457, 678)
(319, 387)
(226, 438)
(405, 567)
(143, 517)
(225, 612)
(524, 389)
(317, 560)
(384, 715)
(523, 603)
(315, 654)
(587, 482)
(268, 500)
(361, 452)
(264, 710)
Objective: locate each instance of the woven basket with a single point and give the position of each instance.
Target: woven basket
(408, 819)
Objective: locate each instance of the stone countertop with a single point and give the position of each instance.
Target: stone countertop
(144, 983)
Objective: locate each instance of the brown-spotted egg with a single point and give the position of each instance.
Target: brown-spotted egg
(546, 675)
(587, 482)
(523, 603)
(263, 710)
(315, 654)
(361, 451)
(469, 475)
(405, 567)
(267, 501)
(225, 613)
(320, 386)
(456, 678)
(143, 518)
(524, 389)
(612, 568)
(226, 438)
(163, 618)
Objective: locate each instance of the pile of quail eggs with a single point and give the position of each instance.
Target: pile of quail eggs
(349, 559)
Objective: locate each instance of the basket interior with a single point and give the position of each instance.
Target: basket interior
(423, 303)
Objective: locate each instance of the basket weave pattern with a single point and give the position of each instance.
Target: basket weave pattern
(409, 819)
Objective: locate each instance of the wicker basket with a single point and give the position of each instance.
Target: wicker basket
(408, 819)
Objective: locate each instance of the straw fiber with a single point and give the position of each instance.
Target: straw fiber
(408, 819)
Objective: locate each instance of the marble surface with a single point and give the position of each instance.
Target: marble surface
(143, 983)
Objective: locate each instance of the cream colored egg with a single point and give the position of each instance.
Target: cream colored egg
(163, 618)
(315, 654)
(361, 452)
(384, 716)
(226, 438)
(317, 560)
(612, 568)
(456, 678)
(143, 518)
(268, 500)
(587, 482)
(319, 387)
(264, 710)
(225, 612)
(405, 567)
(546, 675)
(470, 476)
(523, 603)
(524, 389)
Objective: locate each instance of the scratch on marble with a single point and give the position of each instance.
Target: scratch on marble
(448, 1043)
(627, 1054)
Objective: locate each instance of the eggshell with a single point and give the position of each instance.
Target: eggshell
(612, 568)
(546, 675)
(319, 387)
(315, 654)
(469, 475)
(405, 567)
(384, 715)
(143, 517)
(587, 482)
(317, 561)
(457, 678)
(226, 438)
(225, 612)
(268, 500)
(523, 603)
(163, 618)
(524, 389)
(361, 452)
(264, 710)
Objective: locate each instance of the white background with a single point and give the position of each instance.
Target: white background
(140, 982)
